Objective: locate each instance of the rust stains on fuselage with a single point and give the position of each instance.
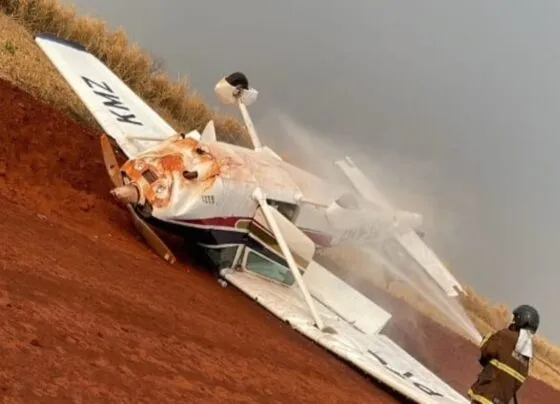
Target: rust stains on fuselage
(177, 167)
(173, 176)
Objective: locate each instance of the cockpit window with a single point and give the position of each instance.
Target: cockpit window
(150, 176)
(268, 268)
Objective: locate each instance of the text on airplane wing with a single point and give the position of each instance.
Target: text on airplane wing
(121, 113)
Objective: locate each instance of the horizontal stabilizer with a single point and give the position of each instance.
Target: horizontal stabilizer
(430, 262)
(409, 240)
(121, 113)
(362, 184)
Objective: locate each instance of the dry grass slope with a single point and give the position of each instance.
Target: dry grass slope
(174, 100)
(22, 62)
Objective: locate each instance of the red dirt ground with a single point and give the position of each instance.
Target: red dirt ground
(89, 314)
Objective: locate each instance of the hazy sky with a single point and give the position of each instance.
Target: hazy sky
(457, 100)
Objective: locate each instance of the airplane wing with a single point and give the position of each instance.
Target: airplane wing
(409, 241)
(121, 113)
(357, 323)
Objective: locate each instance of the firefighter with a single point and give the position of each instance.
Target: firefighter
(505, 357)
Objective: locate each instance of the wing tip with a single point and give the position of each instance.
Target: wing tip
(53, 38)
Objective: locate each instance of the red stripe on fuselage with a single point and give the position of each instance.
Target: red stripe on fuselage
(217, 221)
(318, 238)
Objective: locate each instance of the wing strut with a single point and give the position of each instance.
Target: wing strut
(249, 125)
(269, 214)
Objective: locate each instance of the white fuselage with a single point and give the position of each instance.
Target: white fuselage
(225, 180)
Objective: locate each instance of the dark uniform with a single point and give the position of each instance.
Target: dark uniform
(504, 370)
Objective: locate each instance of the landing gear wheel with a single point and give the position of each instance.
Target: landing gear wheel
(238, 80)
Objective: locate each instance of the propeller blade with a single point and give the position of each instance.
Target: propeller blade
(110, 160)
(151, 238)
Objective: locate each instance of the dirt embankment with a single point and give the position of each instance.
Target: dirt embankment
(90, 315)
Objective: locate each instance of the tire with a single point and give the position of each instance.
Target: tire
(238, 79)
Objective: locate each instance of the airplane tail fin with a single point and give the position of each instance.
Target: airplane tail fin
(408, 239)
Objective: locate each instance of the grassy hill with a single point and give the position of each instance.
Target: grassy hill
(22, 63)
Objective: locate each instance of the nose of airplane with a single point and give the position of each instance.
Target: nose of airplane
(126, 194)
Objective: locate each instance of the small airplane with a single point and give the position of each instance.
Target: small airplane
(258, 218)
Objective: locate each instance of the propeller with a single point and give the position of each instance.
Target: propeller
(151, 238)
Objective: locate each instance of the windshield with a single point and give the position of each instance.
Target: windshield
(268, 268)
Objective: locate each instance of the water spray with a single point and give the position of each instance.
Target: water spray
(297, 144)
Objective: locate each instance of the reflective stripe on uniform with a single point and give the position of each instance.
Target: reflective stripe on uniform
(507, 369)
(479, 398)
(486, 337)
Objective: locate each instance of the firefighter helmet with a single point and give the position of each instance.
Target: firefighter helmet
(526, 316)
